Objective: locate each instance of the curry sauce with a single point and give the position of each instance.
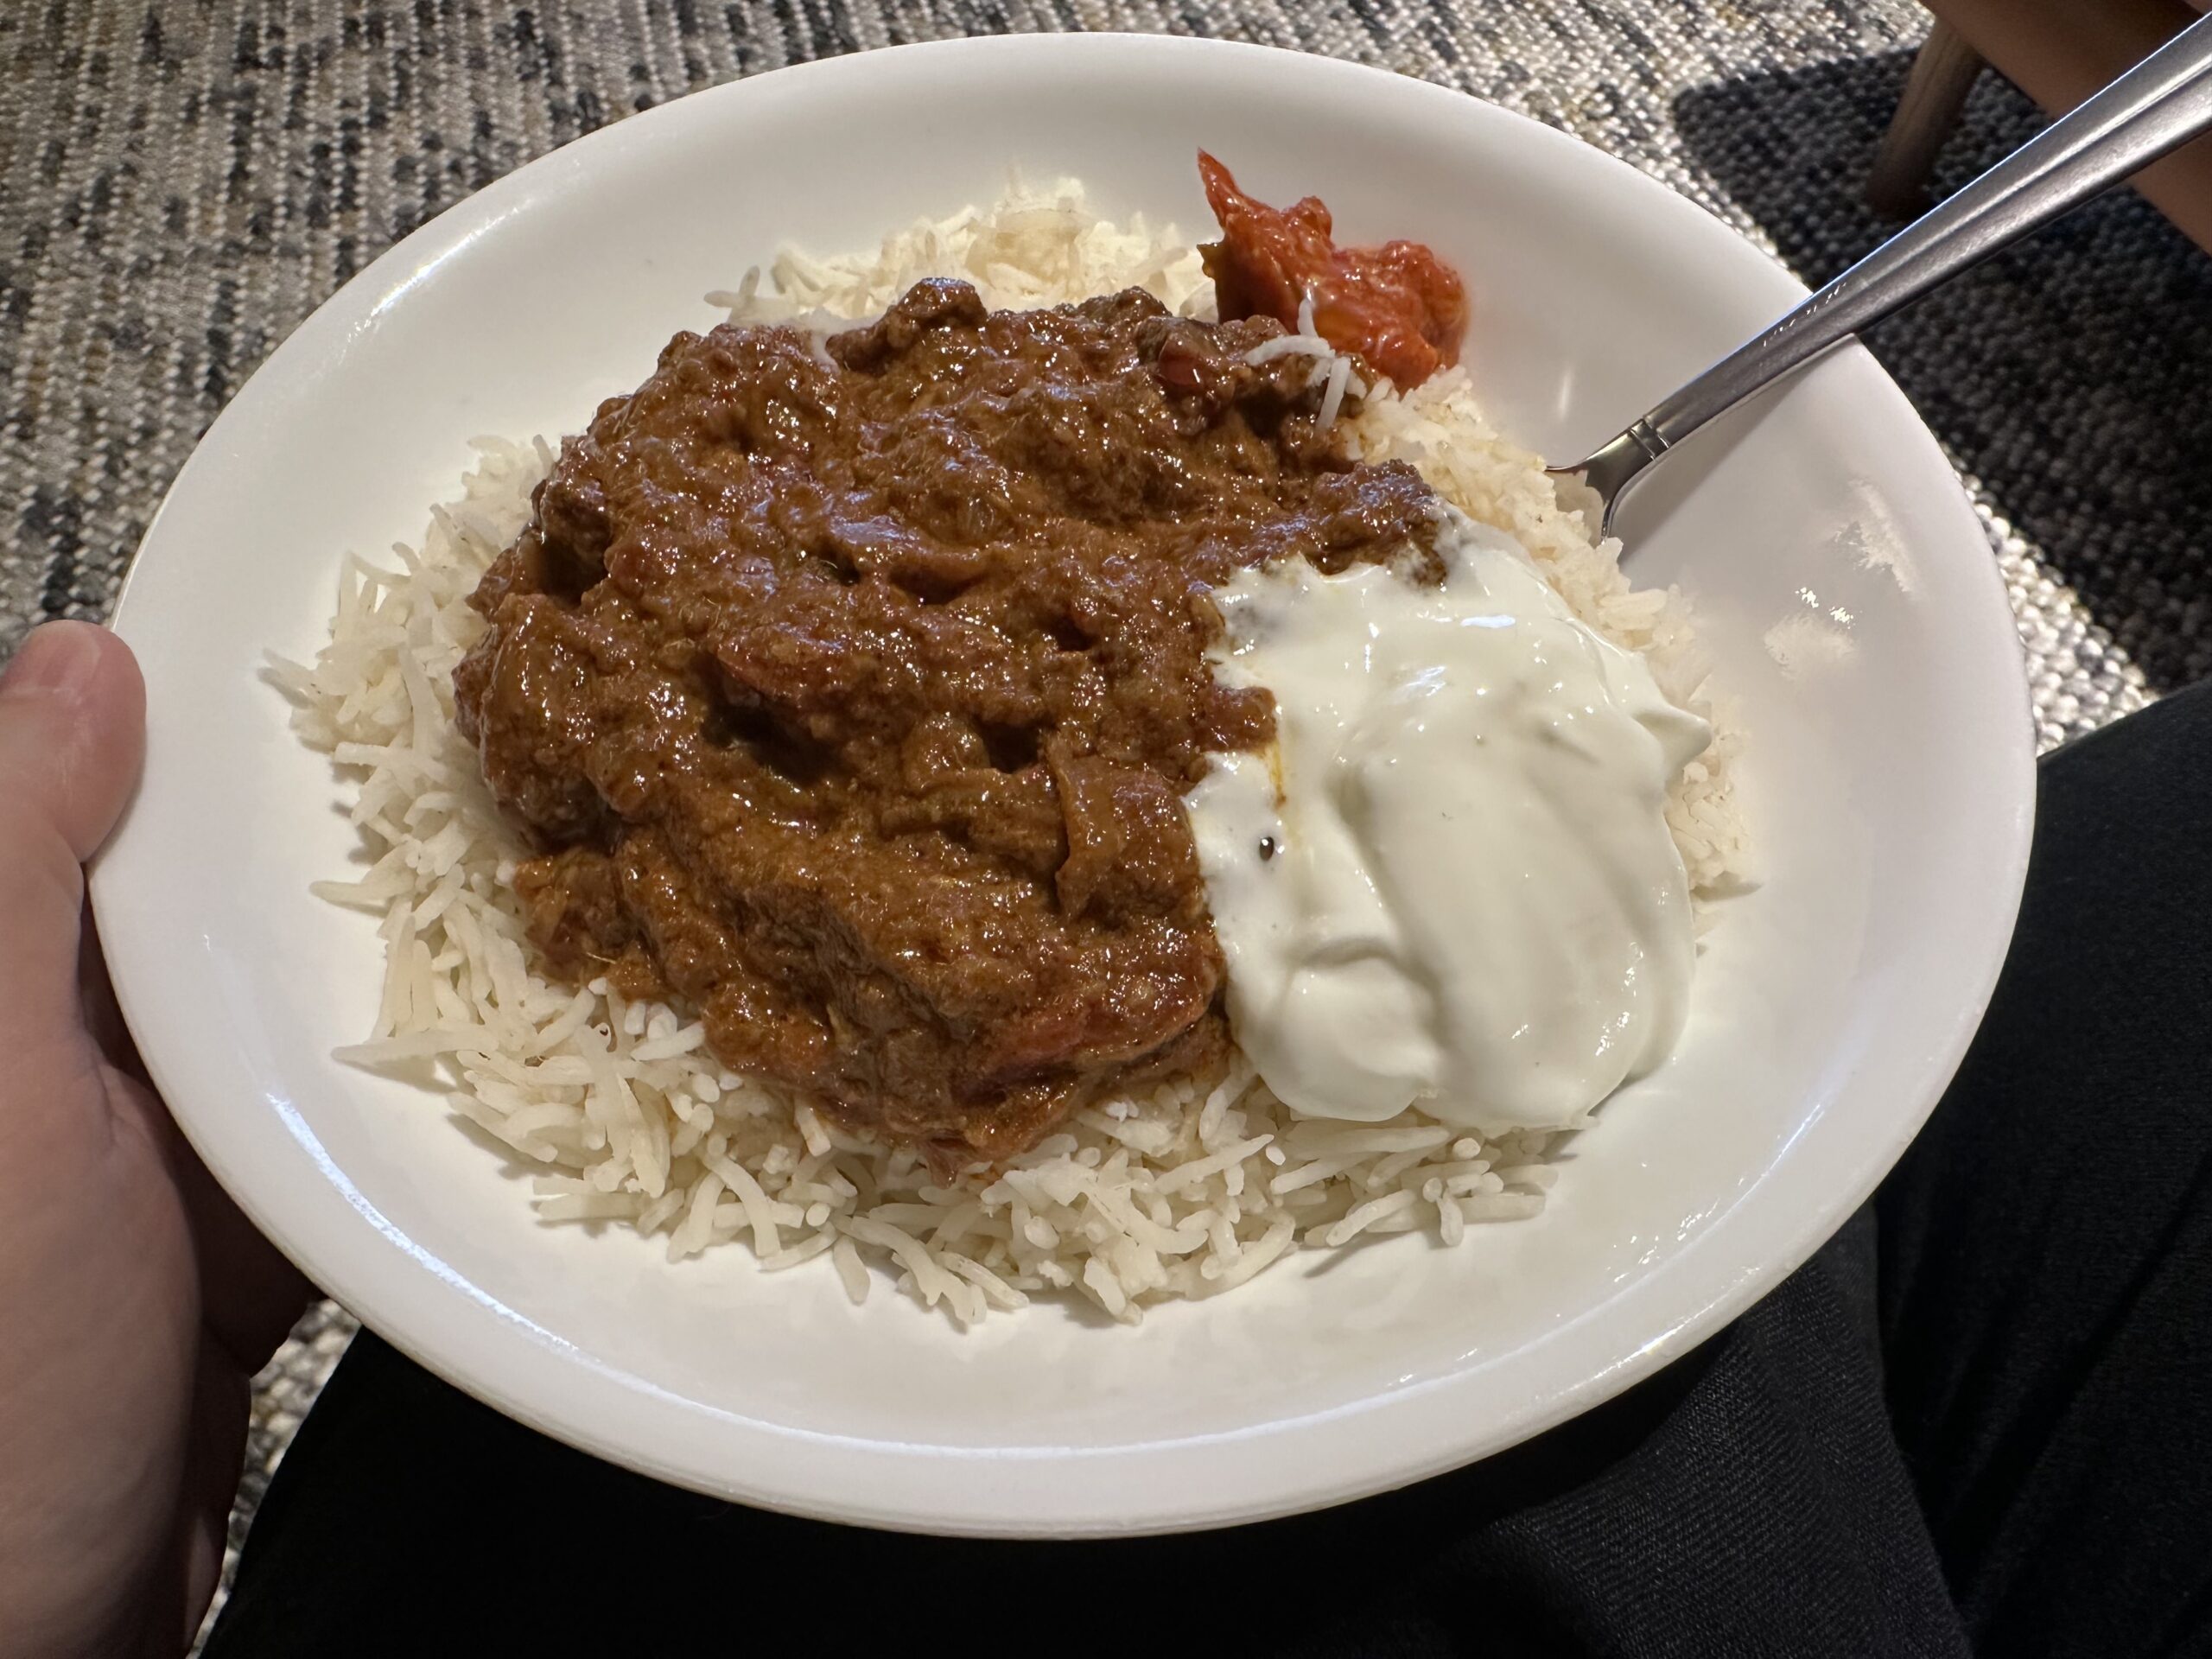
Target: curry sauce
(848, 689)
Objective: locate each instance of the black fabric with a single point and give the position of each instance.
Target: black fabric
(2046, 1245)
(1979, 1419)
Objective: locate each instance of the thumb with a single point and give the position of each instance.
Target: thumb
(73, 734)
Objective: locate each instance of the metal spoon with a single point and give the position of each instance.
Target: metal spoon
(2160, 104)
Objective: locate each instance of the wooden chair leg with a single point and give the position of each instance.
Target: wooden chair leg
(1934, 92)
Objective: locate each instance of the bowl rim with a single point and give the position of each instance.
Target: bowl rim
(459, 1333)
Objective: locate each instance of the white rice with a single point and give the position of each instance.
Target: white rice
(1189, 1191)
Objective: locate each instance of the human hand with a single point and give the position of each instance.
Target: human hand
(135, 1303)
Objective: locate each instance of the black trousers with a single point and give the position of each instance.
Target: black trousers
(1980, 1420)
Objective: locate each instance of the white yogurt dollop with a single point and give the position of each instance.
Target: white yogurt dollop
(1452, 885)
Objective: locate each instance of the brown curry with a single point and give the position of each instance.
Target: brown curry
(848, 692)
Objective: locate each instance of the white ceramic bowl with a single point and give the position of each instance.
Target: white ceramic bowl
(1890, 789)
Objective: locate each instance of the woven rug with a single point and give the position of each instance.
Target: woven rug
(181, 182)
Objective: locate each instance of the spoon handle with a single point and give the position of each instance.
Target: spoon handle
(2159, 105)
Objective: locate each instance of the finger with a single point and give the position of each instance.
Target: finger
(73, 712)
(103, 1017)
(72, 729)
(214, 1453)
(250, 1295)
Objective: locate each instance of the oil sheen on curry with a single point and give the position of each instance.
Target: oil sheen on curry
(849, 690)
